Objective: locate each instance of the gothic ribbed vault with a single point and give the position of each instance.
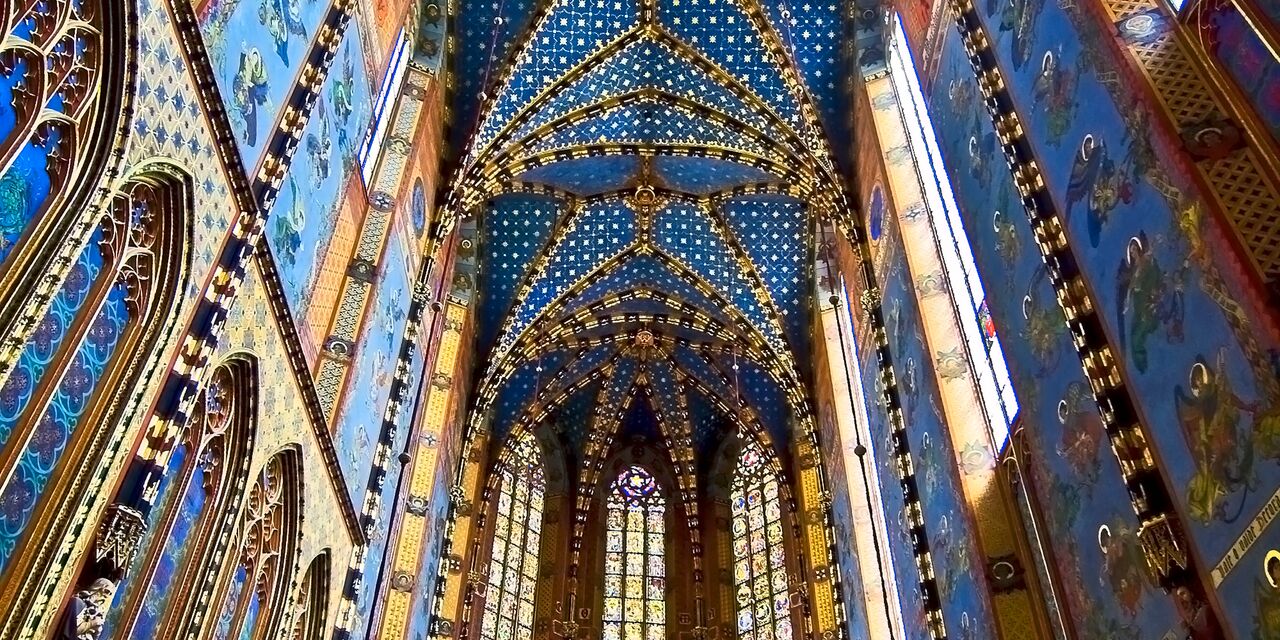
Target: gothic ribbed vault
(646, 177)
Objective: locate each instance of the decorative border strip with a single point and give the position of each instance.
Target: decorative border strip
(1161, 533)
(872, 309)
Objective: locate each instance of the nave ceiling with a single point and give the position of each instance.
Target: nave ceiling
(646, 179)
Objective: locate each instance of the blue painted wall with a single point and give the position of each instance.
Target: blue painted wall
(1071, 468)
(899, 551)
(851, 591)
(956, 558)
(305, 213)
(1248, 61)
(1201, 366)
(359, 421)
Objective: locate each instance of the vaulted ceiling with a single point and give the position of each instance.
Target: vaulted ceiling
(646, 177)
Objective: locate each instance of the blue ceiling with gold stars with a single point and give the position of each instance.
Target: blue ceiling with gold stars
(647, 177)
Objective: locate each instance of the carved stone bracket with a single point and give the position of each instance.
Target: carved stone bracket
(119, 537)
(1162, 547)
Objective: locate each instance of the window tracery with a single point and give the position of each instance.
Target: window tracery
(635, 582)
(249, 608)
(759, 557)
(190, 511)
(68, 372)
(49, 72)
(517, 537)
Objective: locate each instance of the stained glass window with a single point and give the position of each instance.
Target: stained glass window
(185, 515)
(47, 75)
(995, 389)
(517, 538)
(635, 573)
(267, 533)
(93, 316)
(759, 558)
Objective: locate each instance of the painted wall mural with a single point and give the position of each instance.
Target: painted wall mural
(899, 536)
(302, 222)
(359, 420)
(957, 566)
(257, 48)
(1070, 467)
(359, 423)
(841, 508)
(1247, 59)
(1201, 365)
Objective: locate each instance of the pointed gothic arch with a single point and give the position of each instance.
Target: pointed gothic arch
(211, 466)
(311, 604)
(63, 66)
(74, 381)
(635, 562)
(253, 585)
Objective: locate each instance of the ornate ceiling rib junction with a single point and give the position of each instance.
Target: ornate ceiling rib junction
(647, 176)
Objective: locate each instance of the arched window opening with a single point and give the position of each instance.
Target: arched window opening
(52, 68)
(194, 498)
(253, 600)
(46, 76)
(759, 557)
(635, 573)
(986, 357)
(517, 541)
(83, 356)
(312, 601)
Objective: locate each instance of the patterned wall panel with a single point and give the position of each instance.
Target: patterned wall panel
(257, 48)
(1070, 468)
(284, 419)
(851, 591)
(1196, 352)
(359, 420)
(881, 443)
(957, 563)
(307, 211)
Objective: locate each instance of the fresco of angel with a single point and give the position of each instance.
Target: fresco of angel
(249, 92)
(1209, 415)
(1055, 93)
(1099, 183)
(320, 145)
(1044, 325)
(1082, 433)
(1124, 567)
(282, 18)
(1146, 299)
(288, 227)
(1019, 16)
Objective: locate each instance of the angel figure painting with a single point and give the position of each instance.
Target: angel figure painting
(1209, 413)
(1099, 183)
(1055, 93)
(1147, 298)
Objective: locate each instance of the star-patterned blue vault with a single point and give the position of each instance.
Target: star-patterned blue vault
(647, 177)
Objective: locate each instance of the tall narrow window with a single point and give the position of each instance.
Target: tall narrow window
(759, 559)
(977, 328)
(194, 502)
(80, 359)
(517, 538)
(635, 573)
(253, 601)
